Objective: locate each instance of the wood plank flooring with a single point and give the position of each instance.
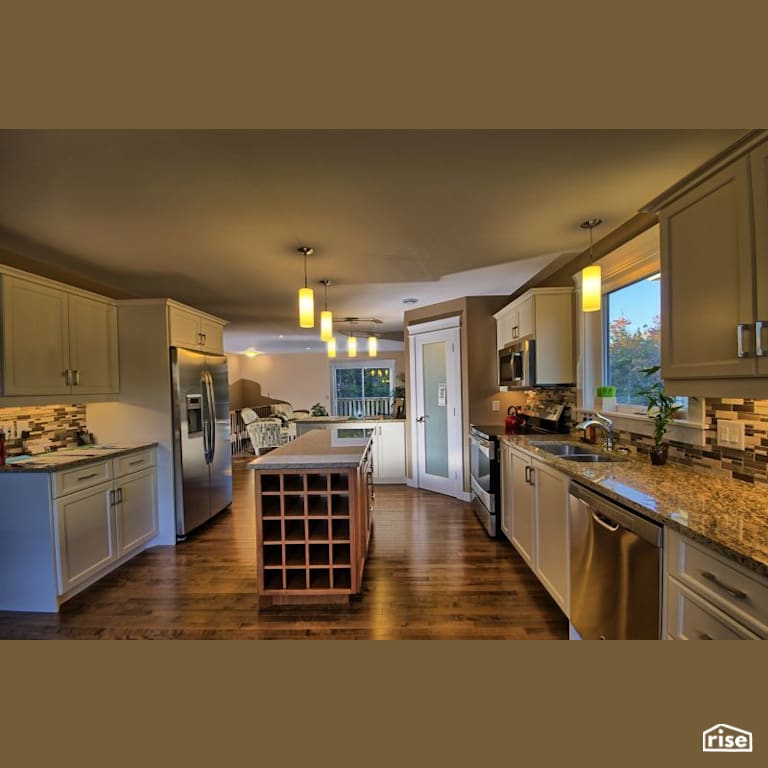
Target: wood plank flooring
(432, 573)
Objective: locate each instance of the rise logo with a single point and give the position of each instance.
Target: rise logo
(726, 738)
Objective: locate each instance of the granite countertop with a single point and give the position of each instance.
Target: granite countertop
(317, 449)
(728, 515)
(66, 458)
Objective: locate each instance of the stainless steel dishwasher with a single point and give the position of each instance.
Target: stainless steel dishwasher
(615, 569)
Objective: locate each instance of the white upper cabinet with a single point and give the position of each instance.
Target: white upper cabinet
(546, 316)
(56, 342)
(194, 330)
(714, 289)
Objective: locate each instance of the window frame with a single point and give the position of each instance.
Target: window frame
(624, 408)
(362, 364)
(636, 259)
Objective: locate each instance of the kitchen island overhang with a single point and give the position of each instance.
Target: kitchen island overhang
(313, 500)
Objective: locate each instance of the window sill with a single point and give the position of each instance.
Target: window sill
(680, 430)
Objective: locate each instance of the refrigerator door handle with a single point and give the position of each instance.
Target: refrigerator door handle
(212, 410)
(206, 417)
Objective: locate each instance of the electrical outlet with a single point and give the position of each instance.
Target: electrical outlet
(494, 405)
(730, 434)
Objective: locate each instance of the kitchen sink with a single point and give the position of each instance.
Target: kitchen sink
(574, 452)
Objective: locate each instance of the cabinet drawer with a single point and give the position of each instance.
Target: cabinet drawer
(133, 462)
(70, 480)
(730, 587)
(689, 617)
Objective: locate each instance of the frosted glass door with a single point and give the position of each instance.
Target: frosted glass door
(435, 360)
(435, 409)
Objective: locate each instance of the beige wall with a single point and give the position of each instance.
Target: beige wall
(301, 380)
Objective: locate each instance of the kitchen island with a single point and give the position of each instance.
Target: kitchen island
(313, 500)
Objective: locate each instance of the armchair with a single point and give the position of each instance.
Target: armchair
(264, 433)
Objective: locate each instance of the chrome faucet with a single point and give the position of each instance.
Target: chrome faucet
(604, 423)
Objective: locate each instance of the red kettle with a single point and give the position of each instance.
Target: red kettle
(514, 420)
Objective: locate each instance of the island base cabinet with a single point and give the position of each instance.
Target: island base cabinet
(313, 531)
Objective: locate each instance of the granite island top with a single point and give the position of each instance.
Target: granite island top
(317, 449)
(728, 515)
(66, 458)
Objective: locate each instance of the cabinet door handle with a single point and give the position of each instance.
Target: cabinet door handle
(759, 351)
(705, 636)
(88, 477)
(533, 475)
(111, 498)
(205, 339)
(76, 373)
(741, 352)
(119, 495)
(134, 463)
(68, 375)
(737, 593)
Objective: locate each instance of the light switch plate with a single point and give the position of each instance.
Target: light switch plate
(730, 434)
(494, 405)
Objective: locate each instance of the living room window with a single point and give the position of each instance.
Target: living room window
(361, 389)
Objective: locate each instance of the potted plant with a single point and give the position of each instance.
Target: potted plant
(661, 409)
(605, 399)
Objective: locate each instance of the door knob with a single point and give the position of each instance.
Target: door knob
(421, 419)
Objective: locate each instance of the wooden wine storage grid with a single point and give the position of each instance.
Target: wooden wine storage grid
(313, 528)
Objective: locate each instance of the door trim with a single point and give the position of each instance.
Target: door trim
(447, 330)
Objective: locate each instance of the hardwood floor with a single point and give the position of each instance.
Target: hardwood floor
(432, 573)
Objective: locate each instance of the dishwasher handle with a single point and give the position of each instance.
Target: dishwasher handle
(604, 522)
(615, 514)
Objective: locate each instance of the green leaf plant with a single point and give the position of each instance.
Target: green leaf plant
(659, 406)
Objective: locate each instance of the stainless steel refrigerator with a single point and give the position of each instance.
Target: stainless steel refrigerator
(202, 456)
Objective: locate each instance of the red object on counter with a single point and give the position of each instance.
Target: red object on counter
(514, 420)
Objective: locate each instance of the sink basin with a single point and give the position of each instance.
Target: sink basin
(563, 449)
(574, 452)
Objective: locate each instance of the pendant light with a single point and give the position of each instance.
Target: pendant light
(591, 275)
(306, 295)
(373, 346)
(351, 345)
(331, 347)
(326, 317)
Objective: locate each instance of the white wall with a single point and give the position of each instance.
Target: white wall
(301, 379)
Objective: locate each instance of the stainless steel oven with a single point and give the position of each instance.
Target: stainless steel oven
(484, 469)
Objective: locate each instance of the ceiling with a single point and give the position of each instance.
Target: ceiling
(214, 218)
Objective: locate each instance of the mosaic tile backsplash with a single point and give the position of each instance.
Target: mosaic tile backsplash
(49, 426)
(749, 465)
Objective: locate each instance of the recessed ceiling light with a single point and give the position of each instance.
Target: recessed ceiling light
(251, 352)
(281, 336)
(307, 347)
(410, 300)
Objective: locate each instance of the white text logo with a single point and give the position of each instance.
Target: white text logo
(726, 738)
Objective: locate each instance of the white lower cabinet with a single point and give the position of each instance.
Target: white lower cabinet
(135, 510)
(709, 597)
(85, 535)
(63, 530)
(102, 524)
(534, 518)
(389, 452)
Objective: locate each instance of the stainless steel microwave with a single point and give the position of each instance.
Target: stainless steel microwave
(517, 364)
